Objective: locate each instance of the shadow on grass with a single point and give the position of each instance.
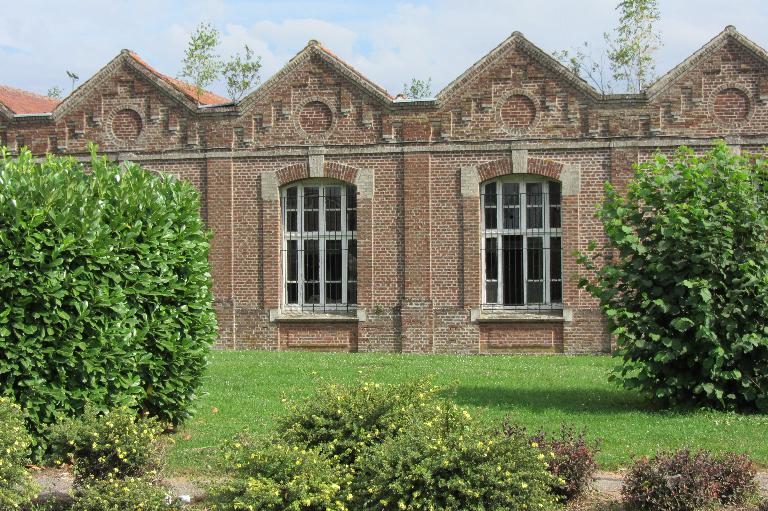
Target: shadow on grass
(573, 401)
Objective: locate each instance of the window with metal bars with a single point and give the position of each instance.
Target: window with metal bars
(522, 243)
(319, 245)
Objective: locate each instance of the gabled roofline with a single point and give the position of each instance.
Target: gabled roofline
(125, 57)
(6, 112)
(516, 39)
(314, 48)
(729, 32)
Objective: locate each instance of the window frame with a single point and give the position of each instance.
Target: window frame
(546, 232)
(323, 236)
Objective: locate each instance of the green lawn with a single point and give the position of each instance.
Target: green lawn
(245, 390)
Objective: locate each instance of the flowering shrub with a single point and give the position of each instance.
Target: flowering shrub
(570, 459)
(345, 420)
(687, 481)
(448, 463)
(271, 475)
(116, 494)
(16, 487)
(116, 444)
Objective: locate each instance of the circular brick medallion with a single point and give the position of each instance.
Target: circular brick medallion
(315, 118)
(126, 125)
(731, 106)
(517, 112)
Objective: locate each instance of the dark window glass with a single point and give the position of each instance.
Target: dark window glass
(535, 270)
(292, 270)
(333, 271)
(511, 204)
(351, 272)
(311, 271)
(491, 259)
(534, 210)
(291, 213)
(352, 208)
(333, 208)
(311, 209)
(290, 197)
(554, 205)
(489, 201)
(512, 249)
(556, 270)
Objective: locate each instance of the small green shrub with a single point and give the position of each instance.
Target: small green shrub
(684, 279)
(570, 459)
(271, 475)
(688, 481)
(344, 420)
(16, 486)
(115, 494)
(449, 463)
(116, 444)
(105, 289)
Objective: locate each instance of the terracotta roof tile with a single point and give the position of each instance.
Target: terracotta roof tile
(206, 98)
(24, 102)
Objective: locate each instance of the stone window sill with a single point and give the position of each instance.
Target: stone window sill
(298, 316)
(520, 316)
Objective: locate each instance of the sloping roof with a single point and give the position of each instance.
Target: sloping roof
(516, 40)
(729, 33)
(24, 102)
(314, 47)
(206, 97)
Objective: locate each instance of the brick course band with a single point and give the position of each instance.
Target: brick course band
(418, 167)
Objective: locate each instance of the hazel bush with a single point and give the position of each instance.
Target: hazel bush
(16, 486)
(683, 280)
(116, 444)
(449, 463)
(271, 475)
(105, 289)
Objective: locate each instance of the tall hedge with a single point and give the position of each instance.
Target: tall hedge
(105, 288)
(685, 281)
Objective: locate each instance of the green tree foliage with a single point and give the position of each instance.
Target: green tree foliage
(201, 65)
(55, 92)
(105, 289)
(684, 279)
(630, 51)
(633, 44)
(241, 73)
(418, 89)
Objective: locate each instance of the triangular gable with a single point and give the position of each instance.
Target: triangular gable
(728, 34)
(515, 41)
(169, 87)
(5, 112)
(314, 48)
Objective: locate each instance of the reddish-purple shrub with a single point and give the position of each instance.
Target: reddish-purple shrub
(687, 481)
(570, 458)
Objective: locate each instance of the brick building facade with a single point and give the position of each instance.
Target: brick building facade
(345, 219)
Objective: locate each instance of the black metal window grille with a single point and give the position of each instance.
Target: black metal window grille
(522, 244)
(319, 246)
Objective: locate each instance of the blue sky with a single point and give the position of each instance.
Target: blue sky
(387, 41)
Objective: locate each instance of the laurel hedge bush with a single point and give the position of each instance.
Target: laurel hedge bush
(105, 289)
(16, 486)
(684, 279)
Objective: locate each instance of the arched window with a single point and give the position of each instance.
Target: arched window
(522, 243)
(319, 245)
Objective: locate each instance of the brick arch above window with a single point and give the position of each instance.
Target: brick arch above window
(519, 163)
(317, 167)
(291, 173)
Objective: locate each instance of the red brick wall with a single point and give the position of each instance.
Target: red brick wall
(419, 274)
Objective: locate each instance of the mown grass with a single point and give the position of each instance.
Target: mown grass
(245, 390)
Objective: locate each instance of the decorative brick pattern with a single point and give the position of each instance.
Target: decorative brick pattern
(418, 168)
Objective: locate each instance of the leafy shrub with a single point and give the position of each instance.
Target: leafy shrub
(684, 279)
(734, 476)
(16, 486)
(271, 475)
(449, 463)
(105, 292)
(116, 444)
(687, 481)
(116, 494)
(570, 459)
(344, 420)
